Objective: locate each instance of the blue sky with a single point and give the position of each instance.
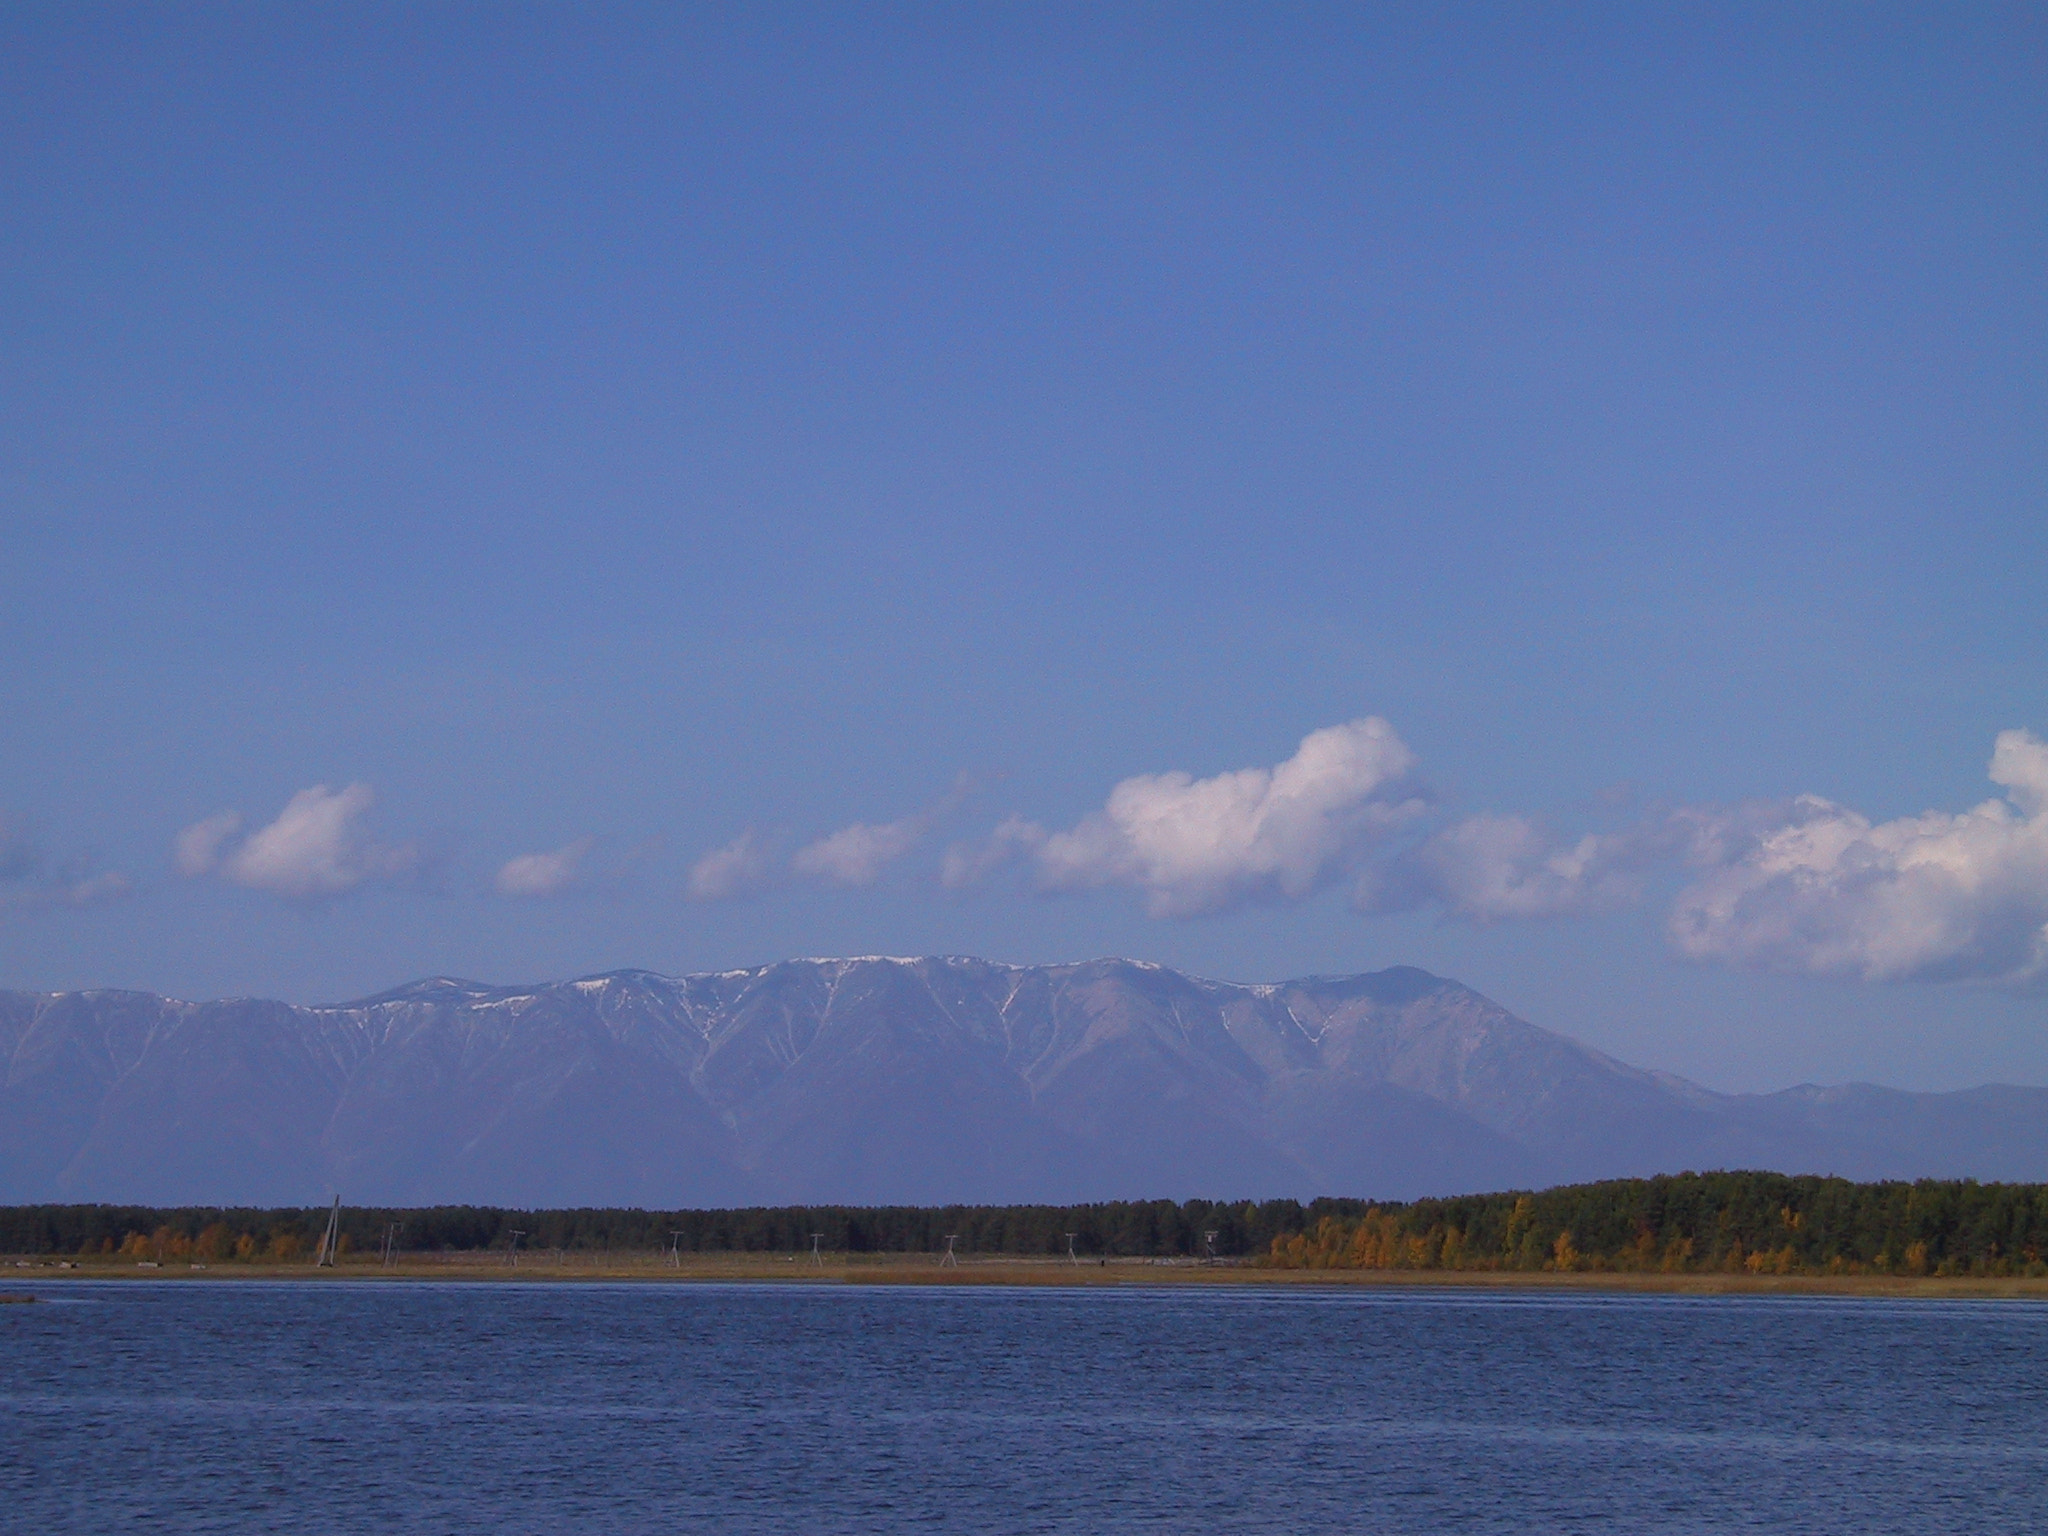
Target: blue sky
(501, 457)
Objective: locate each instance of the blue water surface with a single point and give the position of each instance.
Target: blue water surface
(249, 1406)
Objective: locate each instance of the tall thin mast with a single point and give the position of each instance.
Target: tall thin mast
(330, 1238)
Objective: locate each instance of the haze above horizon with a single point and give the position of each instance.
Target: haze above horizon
(1555, 498)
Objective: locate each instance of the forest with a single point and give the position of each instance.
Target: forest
(1154, 1228)
(1760, 1223)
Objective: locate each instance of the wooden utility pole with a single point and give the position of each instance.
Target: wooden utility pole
(330, 1239)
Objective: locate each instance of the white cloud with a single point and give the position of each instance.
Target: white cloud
(1492, 867)
(197, 848)
(1819, 888)
(737, 869)
(67, 890)
(1204, 845)
(314, 849)
(858, 854)
(1802, 885)
(85, 891)
(545, 874)
(90, 890)
(27, 880)
(967, 864)
(2019, 766)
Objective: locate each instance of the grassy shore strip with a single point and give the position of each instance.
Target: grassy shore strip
(923, 1270)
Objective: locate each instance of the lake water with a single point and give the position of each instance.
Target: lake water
(251, 1406)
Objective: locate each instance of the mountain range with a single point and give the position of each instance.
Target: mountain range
(881, 1080)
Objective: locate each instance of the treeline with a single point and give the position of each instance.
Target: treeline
(1756, 1223)
(1714, 1222)
(210, 1234)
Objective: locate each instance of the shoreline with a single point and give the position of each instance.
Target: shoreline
(925, 1270)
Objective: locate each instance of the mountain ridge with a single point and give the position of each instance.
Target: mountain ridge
(901, 1079)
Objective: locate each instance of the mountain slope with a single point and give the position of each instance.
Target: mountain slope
(883, 1080)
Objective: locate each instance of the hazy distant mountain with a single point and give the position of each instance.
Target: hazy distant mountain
(883, 1080)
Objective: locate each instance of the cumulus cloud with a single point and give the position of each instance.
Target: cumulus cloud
(545, 874)
(90, 890)
(314, 849)
(1796, 885)
(968, 864)
(1493, 867)
(30, 880)
(858, 854)
(1819, 888)
(1196, 846)
(738, 869)
(67, 890)
(197, 848)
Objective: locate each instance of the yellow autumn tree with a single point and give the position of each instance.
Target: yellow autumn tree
(1517, 1228)
(1452, 1254)
(1377, 1242)
(1564, 1254)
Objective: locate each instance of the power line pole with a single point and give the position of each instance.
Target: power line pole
(324, 1255)
(512, 1253)
(949, 1259)
(1072, 1257)
(816, 1258)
